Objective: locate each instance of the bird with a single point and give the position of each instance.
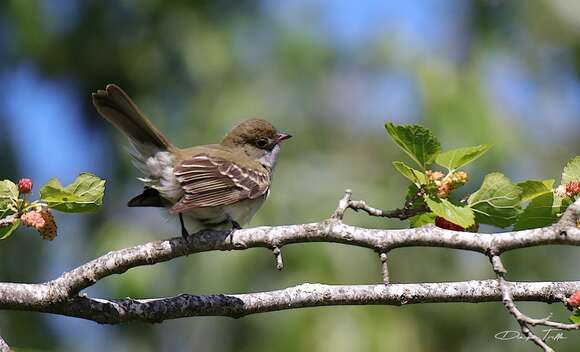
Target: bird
(214, 186)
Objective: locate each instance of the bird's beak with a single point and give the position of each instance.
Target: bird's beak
(282, 136)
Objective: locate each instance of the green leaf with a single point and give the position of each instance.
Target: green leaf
(456, 158)
(462, 216)
(538, 213)
(8, 194)
(575, 318)
(497, 202)
(571, 171)
(417, 141)
(422, 220)
(414, 175)
(83, 195)
(534, 188)
(6, 231)
(561, 204)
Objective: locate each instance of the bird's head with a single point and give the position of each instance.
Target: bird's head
(258, 139)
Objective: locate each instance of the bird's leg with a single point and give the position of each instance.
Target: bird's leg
(184, 232)
(235, 225)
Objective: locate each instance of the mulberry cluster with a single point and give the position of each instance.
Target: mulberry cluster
(42, 221)
(574, 300)
(25, 185)
(570, 189)
(434, 175)
(446, 184)
(573, 188)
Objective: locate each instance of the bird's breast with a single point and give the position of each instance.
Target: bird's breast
(241, 212)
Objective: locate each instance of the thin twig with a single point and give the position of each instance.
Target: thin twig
(409, 209)
(278, 256)
(401, 214)
(343, 204)
(523, 320)
(384, 267)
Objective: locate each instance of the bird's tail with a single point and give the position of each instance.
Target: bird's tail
(117, 108)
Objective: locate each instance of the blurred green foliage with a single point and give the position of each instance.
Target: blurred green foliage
(198, 67)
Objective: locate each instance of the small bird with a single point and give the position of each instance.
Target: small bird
(212, 186)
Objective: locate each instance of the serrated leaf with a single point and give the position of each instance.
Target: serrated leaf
(571, 171)
(83, 195)
(422, 220)
(575, 318)
(497, 202)
(417, 141)
(534, 188)
(414, 175)
(538, 213)
(6, 231)
(462, 216)
(456, 158)
(87, 185)
(8, 194)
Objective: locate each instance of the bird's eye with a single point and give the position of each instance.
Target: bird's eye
(261, 143)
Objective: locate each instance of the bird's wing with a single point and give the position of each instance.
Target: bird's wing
(211, 181)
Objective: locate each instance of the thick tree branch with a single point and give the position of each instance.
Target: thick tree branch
(115, 311)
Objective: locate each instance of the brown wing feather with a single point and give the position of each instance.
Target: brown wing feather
(210, 182)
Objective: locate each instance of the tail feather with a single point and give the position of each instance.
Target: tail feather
(149, 198)
(117, 108)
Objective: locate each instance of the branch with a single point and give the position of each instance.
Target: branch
(115, 311)
(382, 241)
(332, 230)
(404, 213)
(523, 320)
(507, 299)
(61, 296)
(4, 346)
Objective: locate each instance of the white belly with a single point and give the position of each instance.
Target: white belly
(218, 217)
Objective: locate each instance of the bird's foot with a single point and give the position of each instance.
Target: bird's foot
(235, 225)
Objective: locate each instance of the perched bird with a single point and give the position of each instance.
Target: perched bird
(211, 186)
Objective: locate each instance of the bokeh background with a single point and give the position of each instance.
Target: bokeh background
(329, 72)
